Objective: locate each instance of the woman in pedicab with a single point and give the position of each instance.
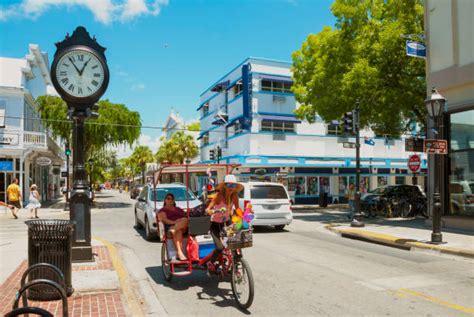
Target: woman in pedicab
(226, 199)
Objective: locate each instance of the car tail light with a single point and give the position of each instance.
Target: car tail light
(246, 202)
(291, 204)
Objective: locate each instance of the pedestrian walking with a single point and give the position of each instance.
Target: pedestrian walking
(34, 201)
(351, 197)
(14, 197)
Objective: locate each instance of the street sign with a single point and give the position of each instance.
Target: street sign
(415, 49)
(63, 174)
(435, 146)
(414, 163)
(414, 145)
(349, 145)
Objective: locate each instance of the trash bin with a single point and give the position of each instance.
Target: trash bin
(49, 241)
(323, 199)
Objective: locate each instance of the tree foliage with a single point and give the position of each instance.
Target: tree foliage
(116, 124)
(178, 148)
(363, 58)
(194, 126)
(141, 156)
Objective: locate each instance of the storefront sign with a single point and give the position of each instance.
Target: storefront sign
(349, 145)
(10, 139)
(435, 146)
(43, 161)
(416, 49)
(414, 145)
(414, 163)
(6, 166)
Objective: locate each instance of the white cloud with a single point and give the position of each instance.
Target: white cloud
(138, 87)
(104, 11)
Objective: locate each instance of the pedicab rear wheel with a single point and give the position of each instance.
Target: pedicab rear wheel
(242, 283)
(165, 263)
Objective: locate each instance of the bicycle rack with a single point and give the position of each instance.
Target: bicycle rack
(47, 266)
(29, 310)
(37, 282)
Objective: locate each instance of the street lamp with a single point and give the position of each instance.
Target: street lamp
(435, 107)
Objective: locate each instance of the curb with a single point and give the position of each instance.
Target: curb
(132, 302)
(396, 242)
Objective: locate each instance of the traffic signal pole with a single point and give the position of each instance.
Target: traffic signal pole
(357, 219)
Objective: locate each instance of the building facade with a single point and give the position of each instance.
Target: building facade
(249, 114)
(449, 26)
(27, 150)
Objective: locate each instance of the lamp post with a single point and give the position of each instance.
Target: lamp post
(435, 107)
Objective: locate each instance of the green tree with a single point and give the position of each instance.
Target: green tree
(142, 155)
(194, 126)
(178, 148)
(116, 124)
(363, 58)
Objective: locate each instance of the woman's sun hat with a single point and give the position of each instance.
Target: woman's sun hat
(230, 182)
(34, 186)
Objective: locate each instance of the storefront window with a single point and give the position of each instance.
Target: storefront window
(324, 184)
(364, 184)
(382, 181)
(312, 185)
(461, 178)
(342, 185)
(400, 180)
(300, 186)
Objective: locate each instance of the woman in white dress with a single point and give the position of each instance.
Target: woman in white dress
(34, 203)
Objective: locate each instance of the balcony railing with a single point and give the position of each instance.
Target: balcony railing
(34, 139)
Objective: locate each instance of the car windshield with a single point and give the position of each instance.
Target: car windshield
(381, 190)
(179, 193)
(268, 191)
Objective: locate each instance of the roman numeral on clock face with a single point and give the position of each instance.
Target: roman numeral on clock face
(71, 87)
(80, 58)
(95, 66)
(79, 91)
(95, 83)
(63, 73)
(96, 75)
(65, 80)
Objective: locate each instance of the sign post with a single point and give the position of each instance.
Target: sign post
(433, 146)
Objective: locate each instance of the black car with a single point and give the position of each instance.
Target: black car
(135, 191)
(394, 200)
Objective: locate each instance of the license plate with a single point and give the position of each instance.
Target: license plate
(271, 207)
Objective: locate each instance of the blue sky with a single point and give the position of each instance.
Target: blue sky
(163, 53)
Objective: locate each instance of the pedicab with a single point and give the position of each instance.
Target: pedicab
(230, 262)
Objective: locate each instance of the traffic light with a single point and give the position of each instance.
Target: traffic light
(212, 155)
(67, 150)
(219, 153)
(348, 122)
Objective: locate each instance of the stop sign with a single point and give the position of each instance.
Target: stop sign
(414, 163)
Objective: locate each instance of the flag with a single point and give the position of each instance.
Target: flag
(369, 141)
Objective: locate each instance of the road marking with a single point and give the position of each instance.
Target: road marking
(132, 301)
(404, 292)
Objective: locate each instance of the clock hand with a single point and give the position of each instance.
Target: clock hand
(84, 66)
(77, 69)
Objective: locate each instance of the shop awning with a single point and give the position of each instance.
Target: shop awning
(233, 120)
(280, 118)
(220, 119)
(276, 78)
(220, 86)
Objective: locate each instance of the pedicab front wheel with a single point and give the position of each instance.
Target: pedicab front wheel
(242, 282)
(165, 263)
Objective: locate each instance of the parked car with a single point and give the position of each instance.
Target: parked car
(271, 203)
(462, 196)
(145, 207)
(135, 191)
(411, 195)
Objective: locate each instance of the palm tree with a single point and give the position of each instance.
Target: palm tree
(178, 148)
(142, 155)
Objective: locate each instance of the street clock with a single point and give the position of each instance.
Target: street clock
(79, 71)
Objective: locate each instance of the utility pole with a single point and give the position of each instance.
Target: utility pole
(356, 221)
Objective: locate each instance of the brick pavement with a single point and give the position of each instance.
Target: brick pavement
(97, 303)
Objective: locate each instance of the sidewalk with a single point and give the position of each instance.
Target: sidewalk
(99, 288)
(408, 234)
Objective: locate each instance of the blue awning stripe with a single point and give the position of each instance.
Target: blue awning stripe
(280, 118)
(276, 78)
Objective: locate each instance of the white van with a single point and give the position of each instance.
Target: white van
(271, 203)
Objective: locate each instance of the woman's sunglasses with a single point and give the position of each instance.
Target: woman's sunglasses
(231, 185)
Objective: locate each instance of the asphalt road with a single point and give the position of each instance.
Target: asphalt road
(304, 270)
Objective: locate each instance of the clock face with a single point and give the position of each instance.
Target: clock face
(80, 73)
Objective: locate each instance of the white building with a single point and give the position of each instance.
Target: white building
(249, 113)
(27, 151)
(175, 123)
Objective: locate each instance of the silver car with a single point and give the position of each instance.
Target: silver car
(146, 208)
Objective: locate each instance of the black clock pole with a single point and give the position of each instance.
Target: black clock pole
(80, 202)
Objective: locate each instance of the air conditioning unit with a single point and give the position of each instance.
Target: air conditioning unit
(279, 137)
(287, 169)
(279, 99)
(374, 170)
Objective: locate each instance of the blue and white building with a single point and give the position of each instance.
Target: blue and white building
(249, 114)
(27, 150)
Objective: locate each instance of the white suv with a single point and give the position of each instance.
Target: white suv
(270, 201)
(145, 206)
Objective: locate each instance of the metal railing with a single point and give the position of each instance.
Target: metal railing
(34, 139)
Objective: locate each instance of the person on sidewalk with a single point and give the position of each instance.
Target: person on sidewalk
(34, 203)
(14, 197)
(351, 198)
(175, 222)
